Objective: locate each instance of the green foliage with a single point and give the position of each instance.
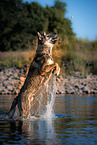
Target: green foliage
(19, 64)
(20, 22)
(76, 54)
(94, 45)
(9, 11)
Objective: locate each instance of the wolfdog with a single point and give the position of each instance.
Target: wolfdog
(40, 70)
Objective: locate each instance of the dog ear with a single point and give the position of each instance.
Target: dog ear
(39, 35)
(45, 36)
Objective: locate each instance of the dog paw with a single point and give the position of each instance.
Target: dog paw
(57, 71)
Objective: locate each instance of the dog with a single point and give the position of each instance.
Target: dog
(40, 71)
(44, 53)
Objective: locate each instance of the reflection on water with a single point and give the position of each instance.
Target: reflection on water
(24, 132)
(75, 123)
(77, 106)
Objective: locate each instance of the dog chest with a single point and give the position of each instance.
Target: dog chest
(49, 61)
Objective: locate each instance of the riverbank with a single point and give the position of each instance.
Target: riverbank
(13, 78)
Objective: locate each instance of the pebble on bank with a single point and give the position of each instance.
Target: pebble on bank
(12, 80)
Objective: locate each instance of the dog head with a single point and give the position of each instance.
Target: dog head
(47, 40)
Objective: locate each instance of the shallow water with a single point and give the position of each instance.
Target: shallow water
(74, 123)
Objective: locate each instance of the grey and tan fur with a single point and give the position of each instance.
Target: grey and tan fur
(40, 71)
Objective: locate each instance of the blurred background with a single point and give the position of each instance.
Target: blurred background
(74, 21)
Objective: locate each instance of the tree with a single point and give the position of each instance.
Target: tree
(9, 10)
(57, 21)
(20, 22)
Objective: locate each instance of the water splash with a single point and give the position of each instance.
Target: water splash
(51, 94)
(43, 101)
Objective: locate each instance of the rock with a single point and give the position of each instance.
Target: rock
(12, 79)
(6, 83)
(83, 83)
(86, 90)
(76, 86)
(93, 92)
(10, 88)
(4, 92)
(68, 91)
(80, 91)
(2, 88)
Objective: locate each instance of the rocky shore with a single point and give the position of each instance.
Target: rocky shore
(12, 80)
(77, 84)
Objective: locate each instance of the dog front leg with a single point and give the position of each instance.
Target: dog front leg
(57, 70)
(49, 67)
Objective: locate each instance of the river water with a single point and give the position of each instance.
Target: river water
(74, 122)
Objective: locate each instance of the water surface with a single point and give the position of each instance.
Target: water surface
(74, 123)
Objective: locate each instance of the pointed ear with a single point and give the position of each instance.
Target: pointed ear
(44, 34)
(39, 35)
